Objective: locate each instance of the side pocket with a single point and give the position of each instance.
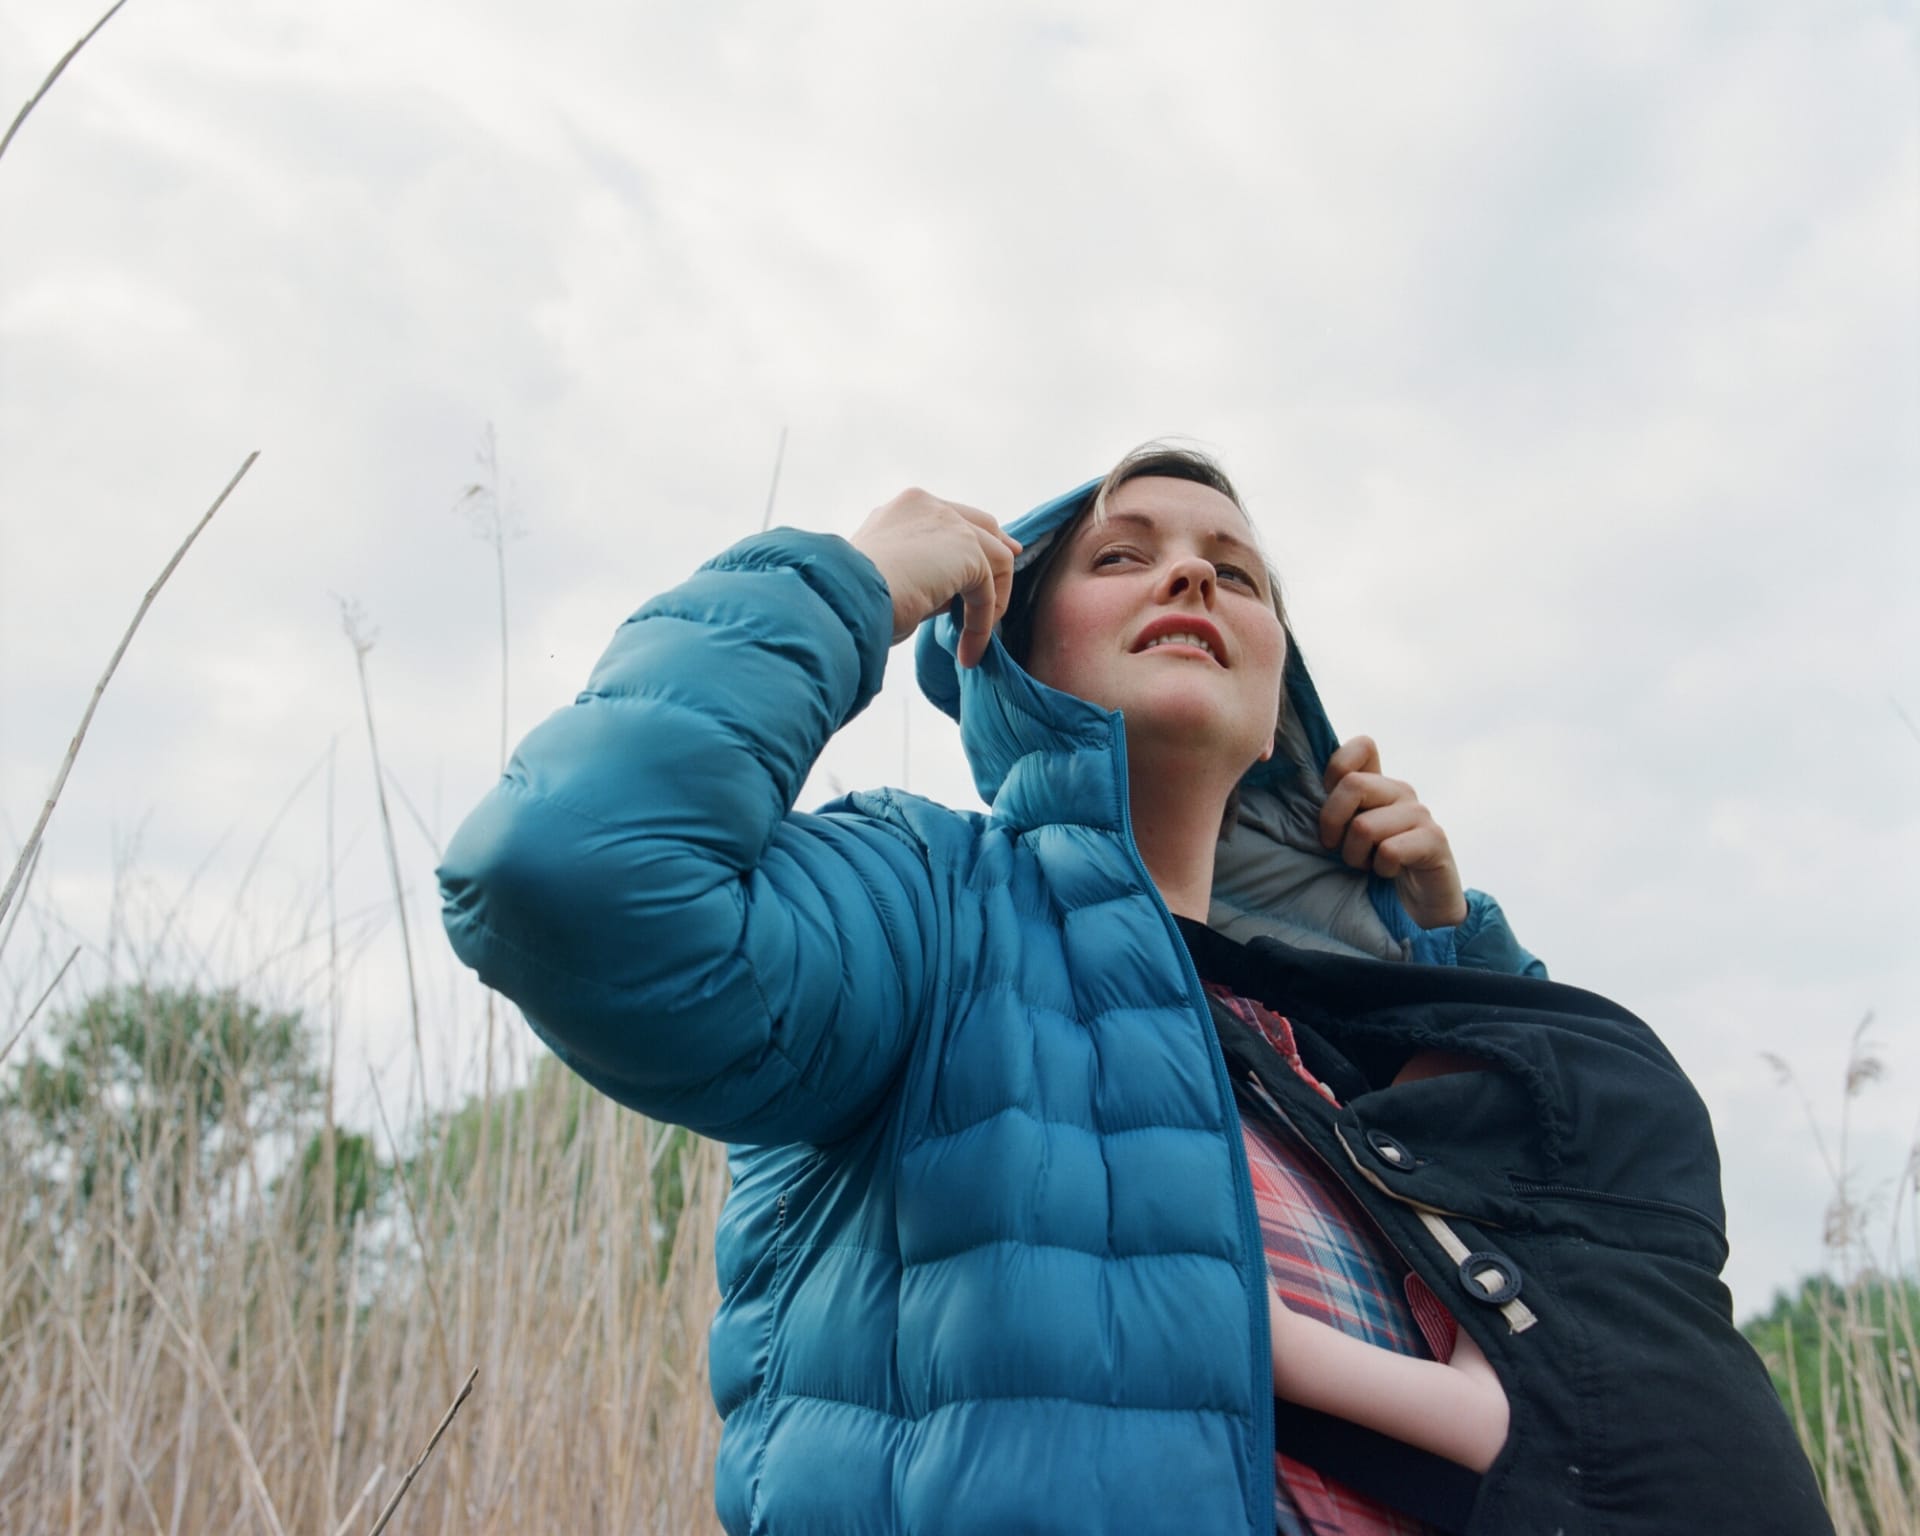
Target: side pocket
(1626, 1221)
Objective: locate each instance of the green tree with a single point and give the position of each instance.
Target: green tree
(139, 1093)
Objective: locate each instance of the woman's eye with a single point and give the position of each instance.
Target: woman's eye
(1235, 573)
(1110, 556)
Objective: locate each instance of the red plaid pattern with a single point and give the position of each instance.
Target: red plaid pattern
(1328, 1260)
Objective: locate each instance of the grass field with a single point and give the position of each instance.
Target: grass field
(210, 1343)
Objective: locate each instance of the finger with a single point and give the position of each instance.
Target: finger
(1001, 559)
(999, 564)
(1342, 804)
(1358, 755)
(1354, 793)
(1360, 846)
(986, 521)
(982, 605)
(1422, 846)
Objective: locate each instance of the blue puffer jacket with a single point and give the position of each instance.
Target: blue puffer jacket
(990, 1262)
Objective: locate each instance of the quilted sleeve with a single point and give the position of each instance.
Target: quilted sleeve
(640, 885)
(1485, 941)
(1482, 941)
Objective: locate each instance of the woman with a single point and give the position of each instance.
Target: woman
(994, 1257)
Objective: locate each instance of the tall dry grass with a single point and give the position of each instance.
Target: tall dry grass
(251, 1360)
(1844, 1352)
(1856, 1402)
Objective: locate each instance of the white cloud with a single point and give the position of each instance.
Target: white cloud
(1567, 356)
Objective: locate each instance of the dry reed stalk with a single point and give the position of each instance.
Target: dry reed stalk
(12, 918)
(362, 642)
(55, 73)
(32, 845)
(1859, 1417)
(414, 1471)
(116, 1428)
(34, 1012)
(235, 905)
(484, 502)
(329, 1181)
(428, 1284)
(366, 1492)
(195, 1347)
(773, 486)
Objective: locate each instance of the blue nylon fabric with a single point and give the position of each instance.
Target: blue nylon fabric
(989, 1260)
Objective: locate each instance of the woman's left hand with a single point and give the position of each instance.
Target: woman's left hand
(1379, 824)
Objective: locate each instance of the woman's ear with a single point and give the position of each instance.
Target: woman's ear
(1266, 752)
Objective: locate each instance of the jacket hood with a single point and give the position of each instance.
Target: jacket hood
(1037, 756)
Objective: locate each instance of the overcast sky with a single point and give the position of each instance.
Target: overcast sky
(1568, 357)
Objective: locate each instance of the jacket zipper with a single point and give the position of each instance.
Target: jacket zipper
(1251, 1241)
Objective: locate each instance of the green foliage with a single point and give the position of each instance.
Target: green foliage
(150, 1101)
(151, 1088)
(549, 1106)
(359, 1177)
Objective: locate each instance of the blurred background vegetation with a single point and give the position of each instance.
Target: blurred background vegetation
(221, 1310)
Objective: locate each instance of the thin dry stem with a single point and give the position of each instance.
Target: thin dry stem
(34, 1012)
(773, 488)
(414, 1471)
(73, 749)
(194, 1343)
(20, 898)
(55, 73)
(1860, 1422)
(413, 1220)
(485, 503)
(365, 1493)
(362, 642)
(413, 814)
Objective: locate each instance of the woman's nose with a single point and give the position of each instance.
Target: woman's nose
(1190, 571)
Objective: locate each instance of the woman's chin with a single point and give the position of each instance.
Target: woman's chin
(1190, 726)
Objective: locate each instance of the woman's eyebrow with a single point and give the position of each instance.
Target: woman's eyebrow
(1218, 536)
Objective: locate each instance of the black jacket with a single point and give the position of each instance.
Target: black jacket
(1576, 1230)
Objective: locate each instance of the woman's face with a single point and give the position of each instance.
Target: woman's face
(1161, 609)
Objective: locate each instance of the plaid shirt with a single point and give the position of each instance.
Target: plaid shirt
(1328, 1260)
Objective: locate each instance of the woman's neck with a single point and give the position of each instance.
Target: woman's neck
(1176, 827)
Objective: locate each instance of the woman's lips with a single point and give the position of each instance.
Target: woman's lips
(1186, 632)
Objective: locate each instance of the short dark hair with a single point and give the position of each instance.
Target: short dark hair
(1168, 461)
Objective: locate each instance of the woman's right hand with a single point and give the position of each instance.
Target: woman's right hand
(931, 551)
